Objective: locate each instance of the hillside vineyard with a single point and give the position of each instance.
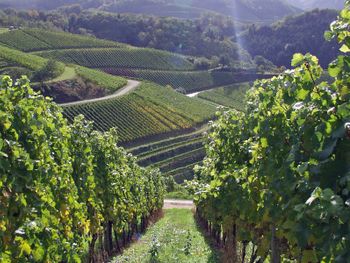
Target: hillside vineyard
(153, 131)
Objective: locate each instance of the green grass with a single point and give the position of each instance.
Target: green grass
(232, 96)
(179, 192)
(180, 195)
(174, 232)
(104, 80)
(3, 30)
(68, 73)
(120, 58)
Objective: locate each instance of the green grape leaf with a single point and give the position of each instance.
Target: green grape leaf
(264, 142)
(344, 48)
(297, 60)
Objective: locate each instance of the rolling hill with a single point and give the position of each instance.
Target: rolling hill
(149, 111)
(55, 79)
(163, 127)
(162, 67)
(322, 4)
(245, 10)
(298, 34)
(253, 10)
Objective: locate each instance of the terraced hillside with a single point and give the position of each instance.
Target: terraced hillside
(190, 81)
(151, 110)
(175, 156)
(28, 40)
(55, 79)
(120, 58)
(91, 52)
(158, 66)
(150, 113)
(12, 60)
(231, 96)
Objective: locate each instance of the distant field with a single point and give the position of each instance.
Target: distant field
(230, 96)
(3, 30)
(120, 58)
(101, 79)
(21, 59)
(91, 52)
(190, 81)
(148, 111)
(38, 39)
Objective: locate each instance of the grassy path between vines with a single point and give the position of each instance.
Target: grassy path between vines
(175, 239)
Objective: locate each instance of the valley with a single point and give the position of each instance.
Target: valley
(174, 131)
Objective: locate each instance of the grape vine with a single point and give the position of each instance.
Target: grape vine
(278, 176)
(63, 187)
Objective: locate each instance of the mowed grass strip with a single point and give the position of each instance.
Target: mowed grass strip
(175, 238)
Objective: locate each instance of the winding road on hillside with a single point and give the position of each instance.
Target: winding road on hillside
(130, 86)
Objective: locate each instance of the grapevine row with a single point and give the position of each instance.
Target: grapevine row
(277, 177)
(150, 110)
(37, 39)
(120, 57)
(68, 193)
(190, 81)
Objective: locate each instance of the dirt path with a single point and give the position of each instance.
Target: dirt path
(171, 203)
(132, 84)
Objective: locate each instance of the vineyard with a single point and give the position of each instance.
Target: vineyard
(120, 58)
(160, 153)
(174, 239)
(29, 40)
(280, 187)
(68, 193)
(190, 81)
(150, 110)
(229, 96)
(21, 59)
(101, 79)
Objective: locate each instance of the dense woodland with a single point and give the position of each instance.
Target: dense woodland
(254, 10)
(311, 4)
(303, 33)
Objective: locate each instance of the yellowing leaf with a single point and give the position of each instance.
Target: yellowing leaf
(344, 49)
(25, 247)
(297, 60)
(7, 125)
(264, 143)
